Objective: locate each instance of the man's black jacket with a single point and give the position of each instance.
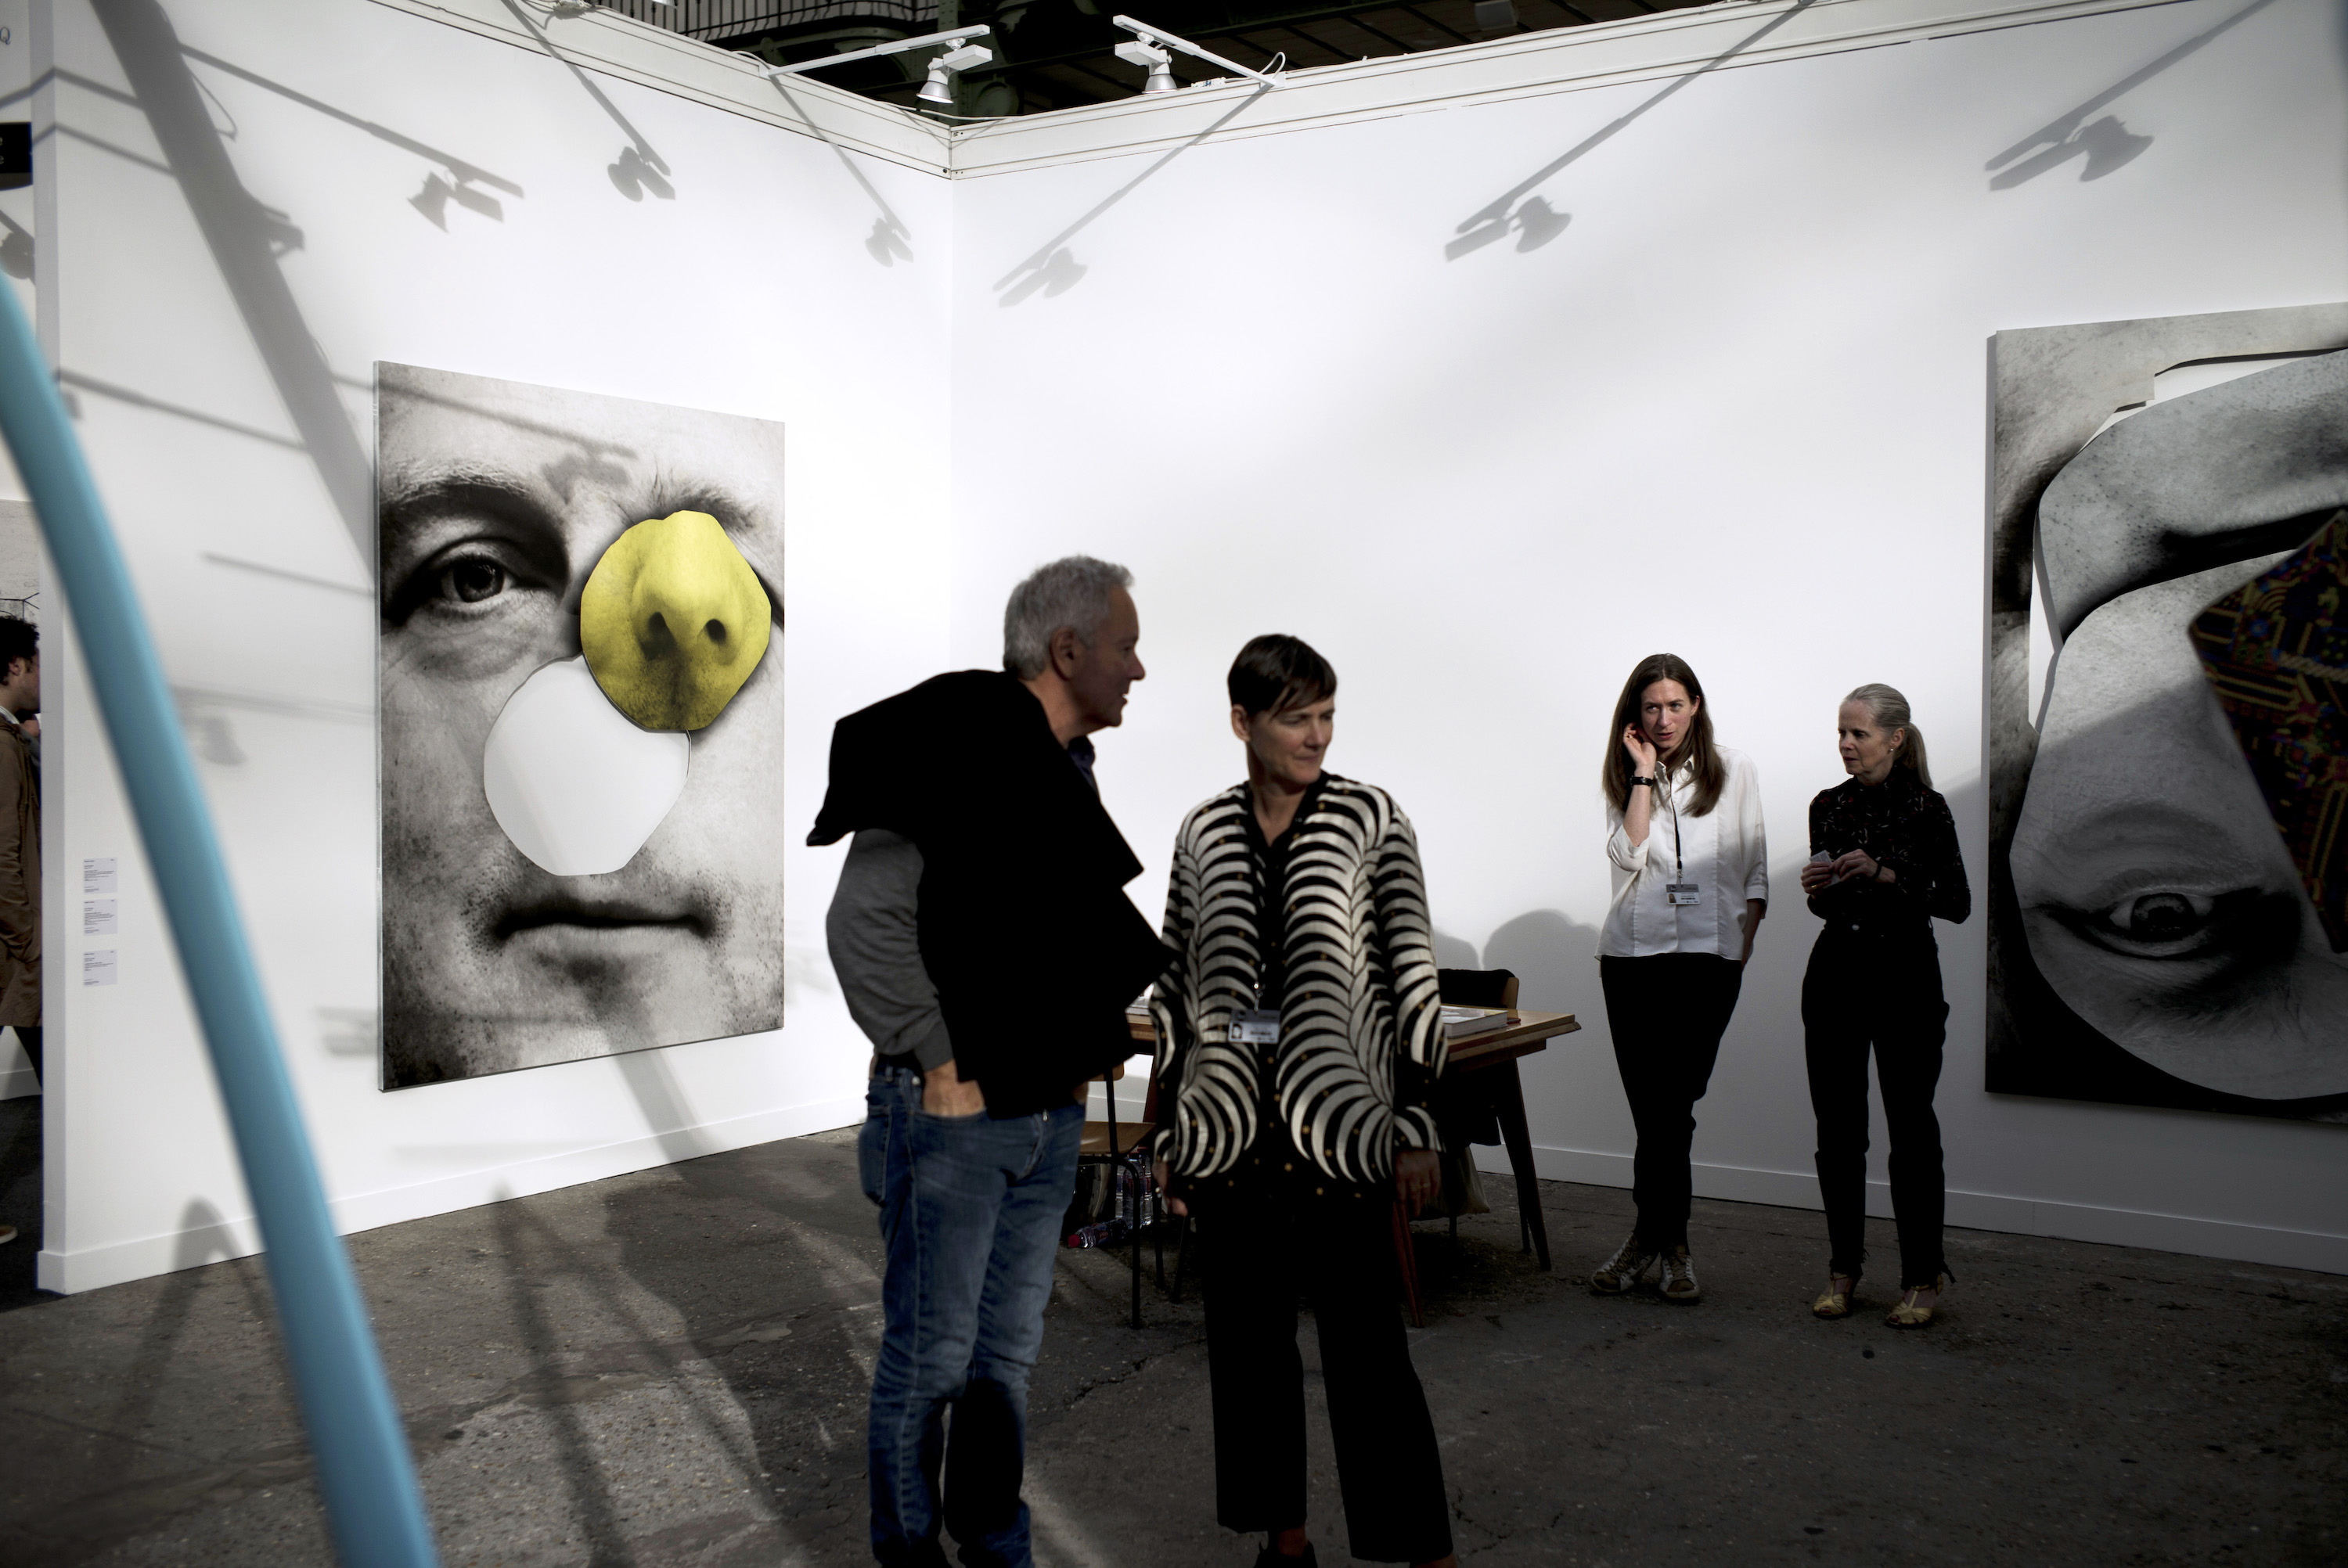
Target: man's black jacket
(1026, 927)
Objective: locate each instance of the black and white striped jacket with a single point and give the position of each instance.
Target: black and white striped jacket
(1361, 1041)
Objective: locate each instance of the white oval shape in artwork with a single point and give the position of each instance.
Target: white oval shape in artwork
(572, 780)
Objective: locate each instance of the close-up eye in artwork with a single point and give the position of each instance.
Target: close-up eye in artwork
(581, 722)
(2167, 925)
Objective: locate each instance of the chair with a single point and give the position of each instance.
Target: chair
(1482, 1104)
(1486, 1104)
(1108, 1144)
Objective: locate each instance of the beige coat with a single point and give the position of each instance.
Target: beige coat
(20, 881)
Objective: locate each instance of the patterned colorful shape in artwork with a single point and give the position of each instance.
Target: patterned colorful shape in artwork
(2276, 652)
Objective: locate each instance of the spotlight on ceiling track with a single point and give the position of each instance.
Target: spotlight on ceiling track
(937, 89)
(1157, 62)
(1161, 79)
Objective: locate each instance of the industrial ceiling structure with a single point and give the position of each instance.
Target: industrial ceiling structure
(1058, 54)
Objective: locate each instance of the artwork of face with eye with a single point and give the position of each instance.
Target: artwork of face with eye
(2171, 889)
(582, 709)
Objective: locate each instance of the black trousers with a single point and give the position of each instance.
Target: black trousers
(30, 1038)
(1861, 993)
(1667, 1014)
(1264, 1248)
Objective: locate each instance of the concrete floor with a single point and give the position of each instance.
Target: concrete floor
(670, 1367)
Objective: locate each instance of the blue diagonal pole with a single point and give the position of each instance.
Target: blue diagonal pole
(364, 1469)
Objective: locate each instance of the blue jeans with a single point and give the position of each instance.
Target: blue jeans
(970, 1211)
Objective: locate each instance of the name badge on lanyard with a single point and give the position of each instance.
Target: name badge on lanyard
(1255, 1026)
(1683, 895)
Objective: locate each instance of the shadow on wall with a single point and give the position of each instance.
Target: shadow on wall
(1053, 268)
(891, 240)
(1536, 223)
(433, 200)
(639, 168)
(15, 248)
(2106, 143)
(243, 238)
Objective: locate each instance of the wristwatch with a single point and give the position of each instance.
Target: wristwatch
(1637, 780)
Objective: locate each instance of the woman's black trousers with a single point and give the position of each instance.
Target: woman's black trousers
(1263, 1249)
(1666, 1013)
(1865, 992)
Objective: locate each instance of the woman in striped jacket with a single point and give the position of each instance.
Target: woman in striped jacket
(1301, 1038)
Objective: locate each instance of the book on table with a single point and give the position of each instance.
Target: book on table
(1466, 1022)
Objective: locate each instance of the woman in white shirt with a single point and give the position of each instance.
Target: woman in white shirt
(1690, 884)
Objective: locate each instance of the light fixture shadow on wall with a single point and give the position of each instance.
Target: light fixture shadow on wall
(634, 174)
(1051, 267)
(887, 241)
(434, 199)
(1535, 223)
(1479, 226)
(2107, 143)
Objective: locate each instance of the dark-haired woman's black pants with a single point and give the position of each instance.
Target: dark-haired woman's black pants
(1666, 1013)
(1263, 1249)
(1863, 993)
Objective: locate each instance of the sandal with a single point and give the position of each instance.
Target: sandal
(1913, 1313)
(1834, 1302)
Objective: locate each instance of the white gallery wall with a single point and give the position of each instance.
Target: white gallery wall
(738, 279)
(1717, 384)
(1487, 372)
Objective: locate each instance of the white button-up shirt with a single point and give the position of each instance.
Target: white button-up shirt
(1724, 852)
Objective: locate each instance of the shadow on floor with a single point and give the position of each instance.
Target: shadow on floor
(670, 1367)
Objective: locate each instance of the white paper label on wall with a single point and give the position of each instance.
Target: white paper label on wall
(98, 875)
(97, 918)
(98, 967)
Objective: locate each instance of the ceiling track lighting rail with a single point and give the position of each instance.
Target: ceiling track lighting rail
(937, 89)
(1149, 49)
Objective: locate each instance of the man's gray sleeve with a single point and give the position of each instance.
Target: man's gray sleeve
(873, 931)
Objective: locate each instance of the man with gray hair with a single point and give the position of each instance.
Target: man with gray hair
(984, 942)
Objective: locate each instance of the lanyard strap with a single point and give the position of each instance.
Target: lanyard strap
(1671, 799)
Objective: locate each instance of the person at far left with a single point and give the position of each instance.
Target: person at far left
(20, 841)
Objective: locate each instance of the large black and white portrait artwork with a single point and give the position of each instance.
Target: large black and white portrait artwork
(581, 724)
(2168, 753)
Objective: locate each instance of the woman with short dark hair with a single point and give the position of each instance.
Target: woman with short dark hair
(1300, 1038)
(1883, 865)
(1690, 863)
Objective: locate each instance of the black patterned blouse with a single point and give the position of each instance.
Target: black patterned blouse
(1902, 825)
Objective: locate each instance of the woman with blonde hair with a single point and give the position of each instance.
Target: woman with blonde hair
(1884, 863)
(1691, 863)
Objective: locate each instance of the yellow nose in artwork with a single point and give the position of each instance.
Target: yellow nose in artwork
(673, 621)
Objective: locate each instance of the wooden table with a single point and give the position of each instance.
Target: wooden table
(1528, 1031)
